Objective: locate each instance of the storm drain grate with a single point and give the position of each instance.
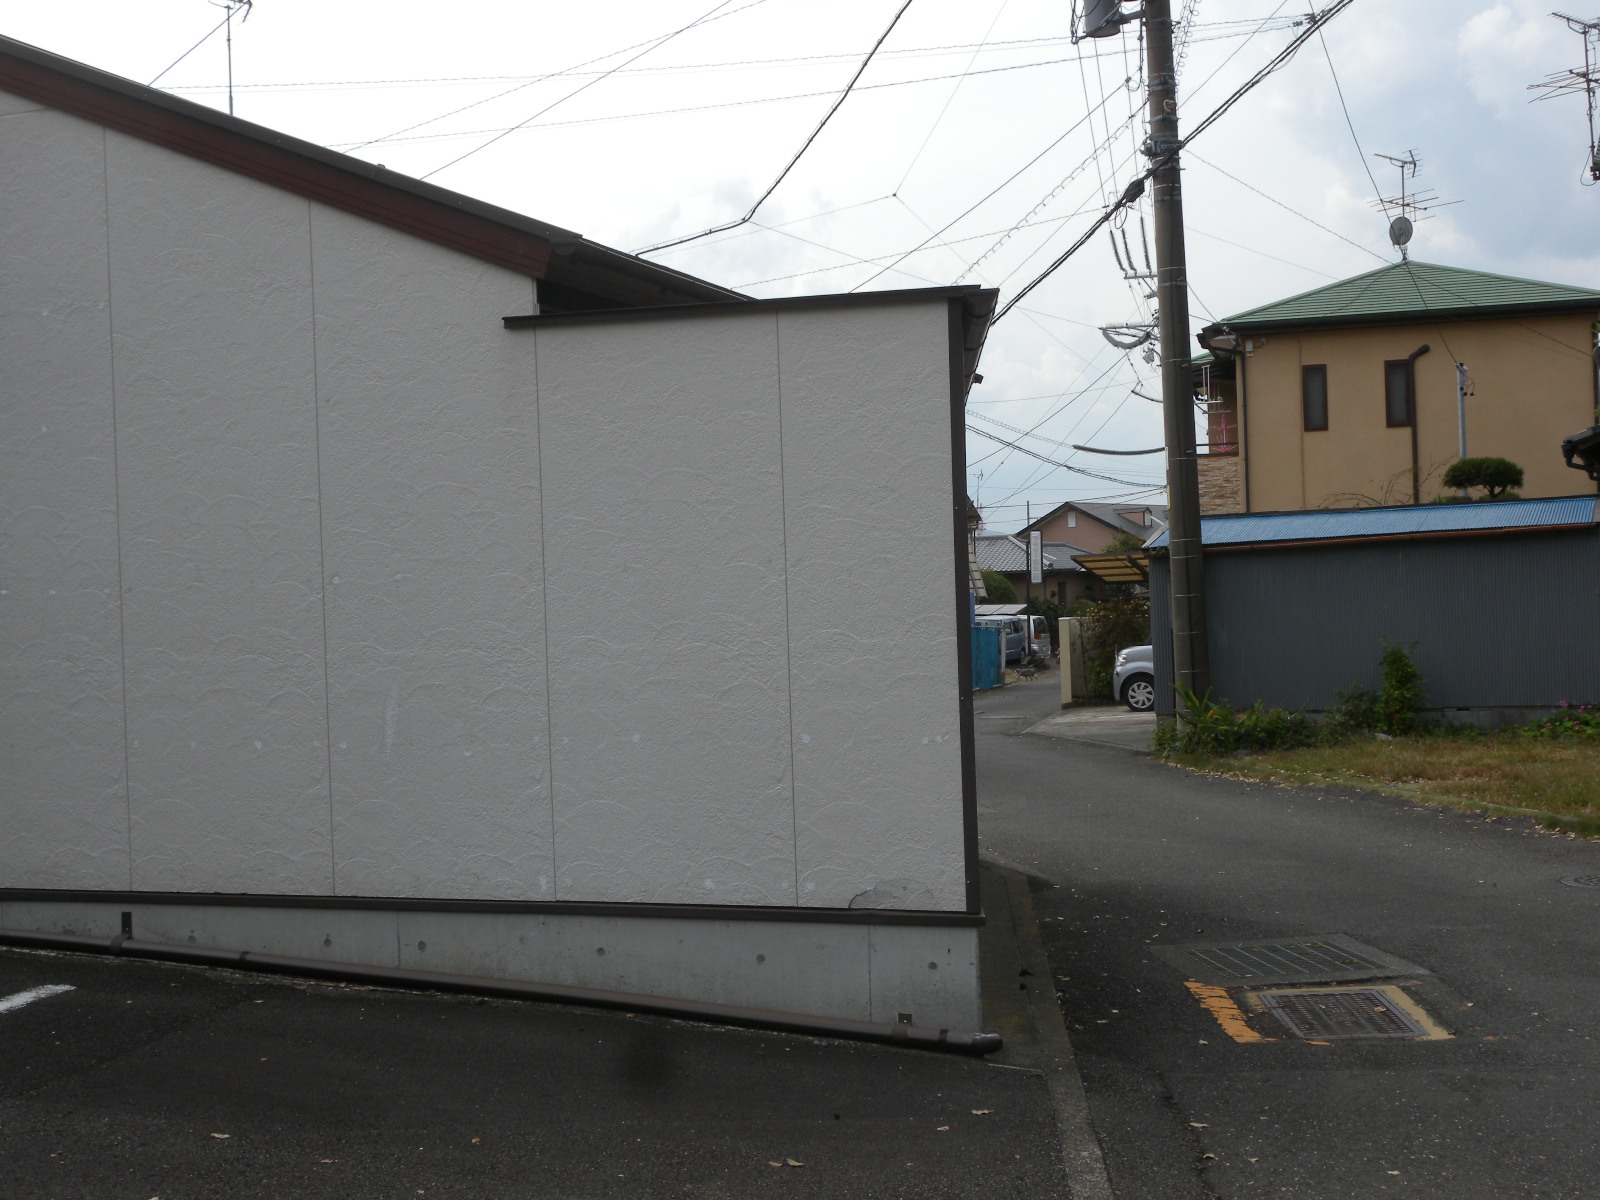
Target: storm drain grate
(1590, 881)
(1343, 1013)
(1328, 958)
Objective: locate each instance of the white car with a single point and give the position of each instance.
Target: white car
(1133, 678)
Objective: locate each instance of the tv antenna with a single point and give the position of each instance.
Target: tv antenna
(1585, 79)
(1406, 208)
(232, 7)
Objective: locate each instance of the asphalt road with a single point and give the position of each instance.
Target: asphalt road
(1128, 853)
(120, 1087)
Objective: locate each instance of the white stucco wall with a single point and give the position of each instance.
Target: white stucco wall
(316, 580)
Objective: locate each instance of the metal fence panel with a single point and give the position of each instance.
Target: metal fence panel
(986, 669)
(1492, 622)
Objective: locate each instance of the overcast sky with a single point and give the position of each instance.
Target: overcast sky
(979, 133)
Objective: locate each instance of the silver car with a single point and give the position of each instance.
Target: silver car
(1133, 678)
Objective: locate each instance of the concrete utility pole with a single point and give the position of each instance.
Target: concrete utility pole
(1191, 660)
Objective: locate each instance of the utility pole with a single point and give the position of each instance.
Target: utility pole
(1191, 659)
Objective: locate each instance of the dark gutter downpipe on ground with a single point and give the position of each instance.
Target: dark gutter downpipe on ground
(902, 1034)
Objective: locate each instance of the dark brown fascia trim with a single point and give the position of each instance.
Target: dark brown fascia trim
(541, 908)
(1426, 317)
(435, 214)
(774, 304)
(1426, 536)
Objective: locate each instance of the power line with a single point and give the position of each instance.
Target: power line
(191, 49)
(948, 100)
(1050, 461)
(987, 196)
(692, 108)
(651, 42)
(1136, 189)
(661, 41)
(1349, 124)
(1289, 209)
(806, 145)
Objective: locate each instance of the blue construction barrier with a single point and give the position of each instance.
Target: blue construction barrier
(987, 669)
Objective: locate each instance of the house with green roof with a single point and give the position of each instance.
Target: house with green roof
(1364, 392)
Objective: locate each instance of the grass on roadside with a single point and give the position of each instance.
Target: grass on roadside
(1557, 777)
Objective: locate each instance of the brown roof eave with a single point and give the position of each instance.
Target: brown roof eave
(424, 210)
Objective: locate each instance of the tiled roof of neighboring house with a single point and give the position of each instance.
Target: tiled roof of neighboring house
(1009, 555)
(1411, 520)
(1111, 514)
(1409, 290)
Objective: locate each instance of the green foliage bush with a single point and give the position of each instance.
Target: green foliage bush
(1109, 626)
(1205, 727)
(998, 588)
(1494, 475)
(1574, 721)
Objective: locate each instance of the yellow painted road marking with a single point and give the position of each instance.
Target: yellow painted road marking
(1220, 1005)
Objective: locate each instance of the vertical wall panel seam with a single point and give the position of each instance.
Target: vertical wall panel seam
(788, 627)
(322, 546)
(116, 506)
(544, 616)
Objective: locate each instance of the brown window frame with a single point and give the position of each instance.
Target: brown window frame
(1409, 376)
(1308, 373)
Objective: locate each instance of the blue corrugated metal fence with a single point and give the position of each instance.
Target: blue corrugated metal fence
(987, 671)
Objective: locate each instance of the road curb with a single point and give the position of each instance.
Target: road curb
(1081, 1157)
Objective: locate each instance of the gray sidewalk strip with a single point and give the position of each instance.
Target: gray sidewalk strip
(1044, 1045)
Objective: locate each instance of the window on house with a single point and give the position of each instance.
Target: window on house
(1399, 403)
(1072, 520)
(1314, 396)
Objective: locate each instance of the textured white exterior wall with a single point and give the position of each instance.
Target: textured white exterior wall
(63, 801)
(318, 581)
(217, 500)
(431, 534)
(668, 649)
(871, 569)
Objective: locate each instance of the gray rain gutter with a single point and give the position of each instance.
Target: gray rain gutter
(901, 1034)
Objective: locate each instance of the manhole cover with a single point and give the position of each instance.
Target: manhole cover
(1324, 959)
(1342, 1013)
(1582, 881)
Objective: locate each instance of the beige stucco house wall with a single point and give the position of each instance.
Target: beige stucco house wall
(1531, 380)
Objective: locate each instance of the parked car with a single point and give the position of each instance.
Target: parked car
(1133, 678)
(1038, 636)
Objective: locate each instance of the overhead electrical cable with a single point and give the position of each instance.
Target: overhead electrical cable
(1136, 188)
(948, 100)
(583, 87)
(685, 68)
(648, 42)
(806, 145)
(692, 108)
(987, 196)
(190, 50)
(1289, 208)
(1050, 461)
(1348, 123)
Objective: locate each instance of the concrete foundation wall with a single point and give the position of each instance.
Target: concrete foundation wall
(861, 972)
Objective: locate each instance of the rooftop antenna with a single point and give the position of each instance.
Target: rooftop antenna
(231, 7)
(1585, 79)
(1408, 207)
